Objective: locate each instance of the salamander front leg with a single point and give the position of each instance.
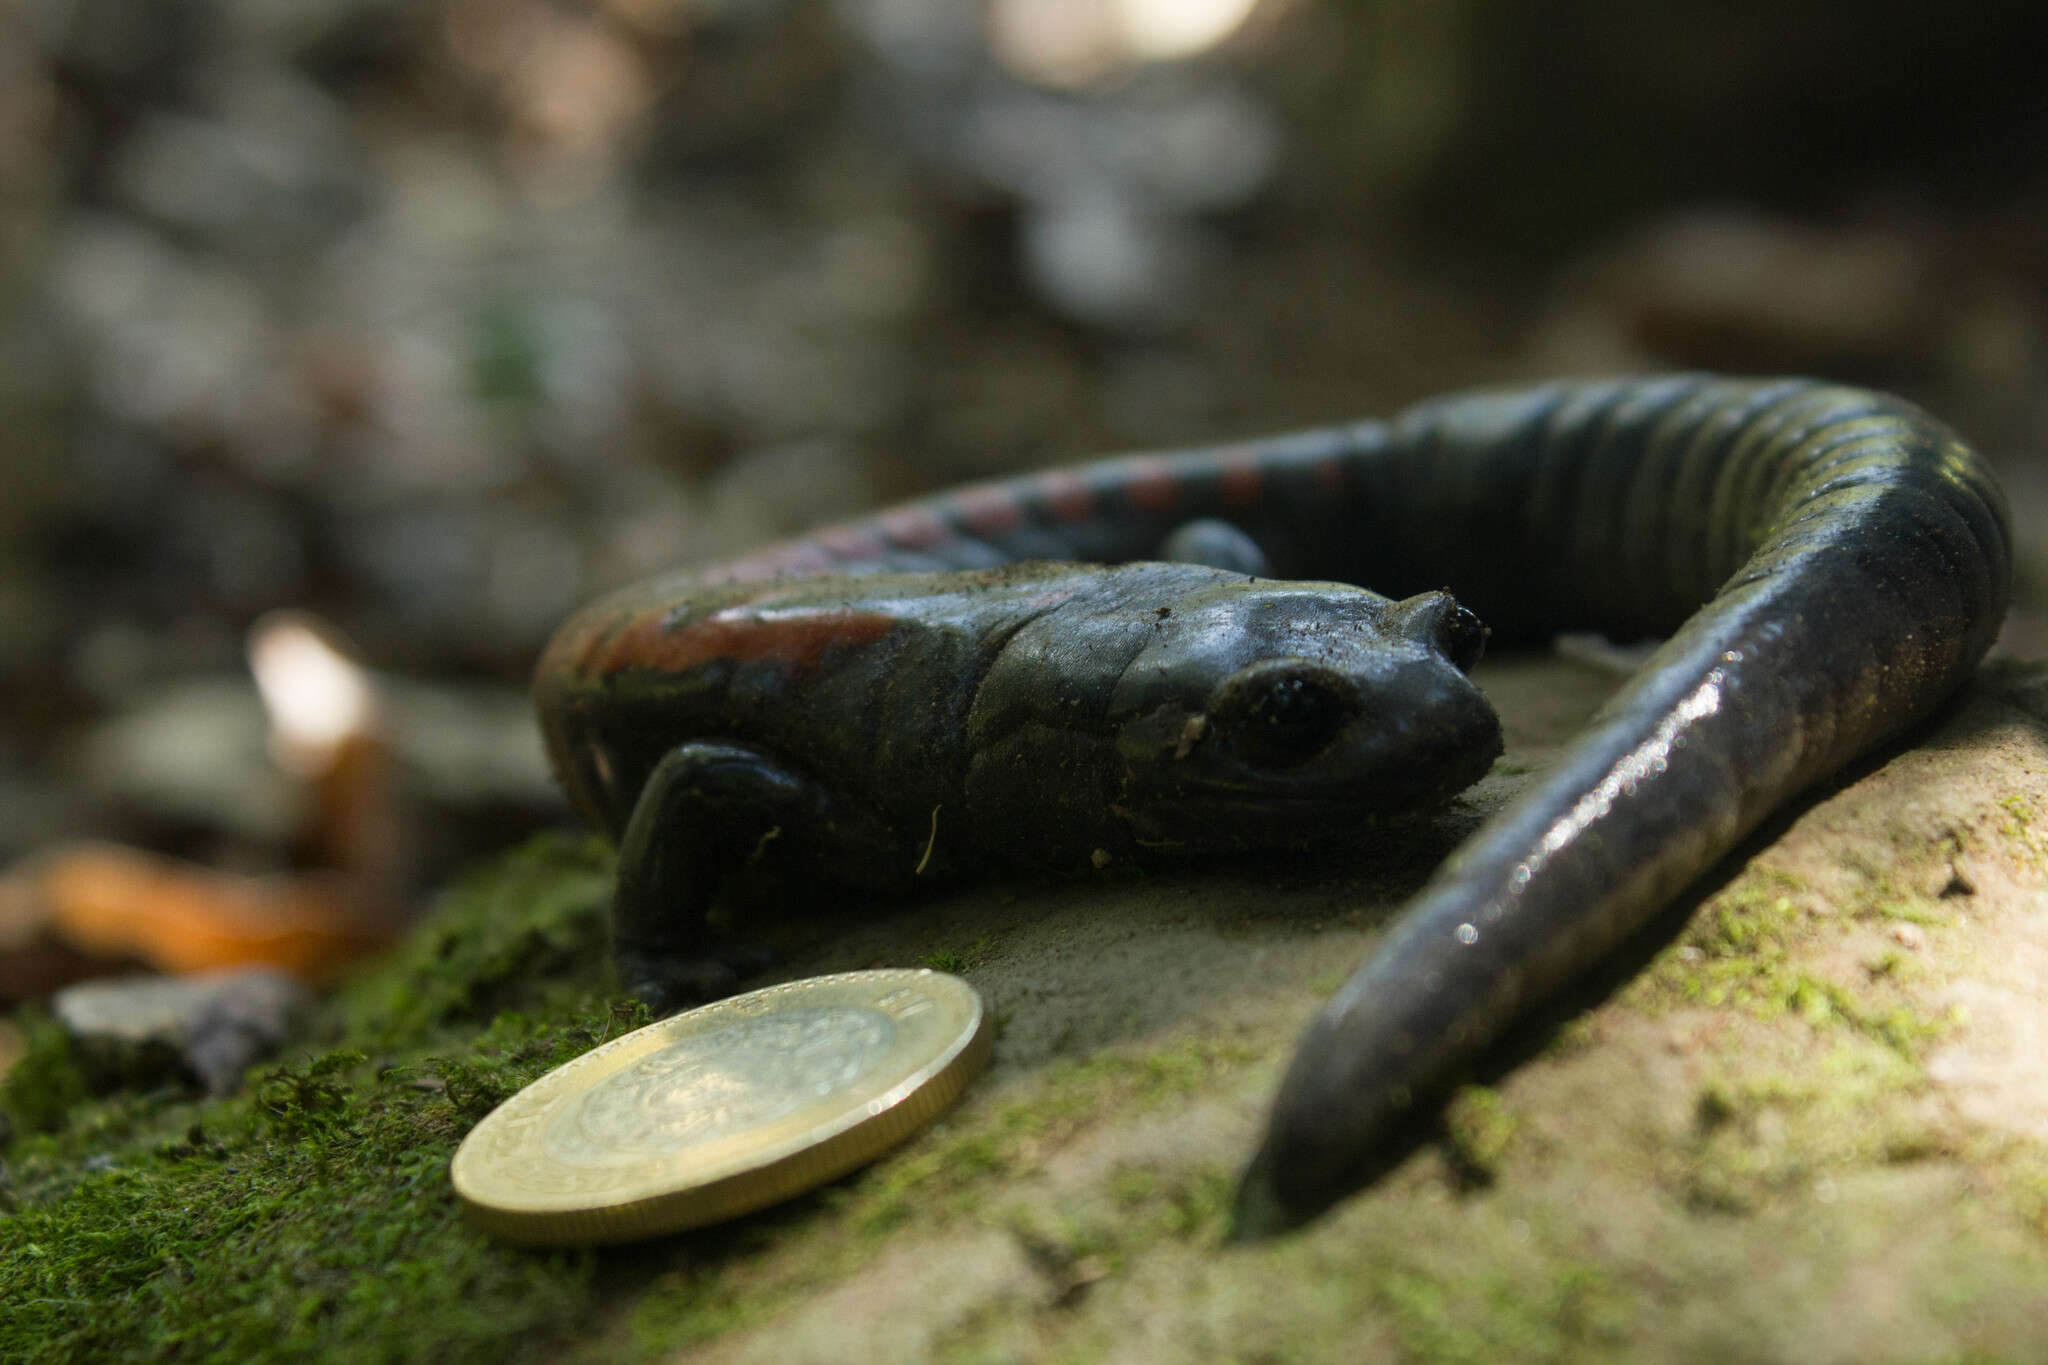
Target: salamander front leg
(708, 815)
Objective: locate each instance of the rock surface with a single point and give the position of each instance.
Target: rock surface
(1808, 1120)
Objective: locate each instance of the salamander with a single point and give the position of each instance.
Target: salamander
(1028, 672)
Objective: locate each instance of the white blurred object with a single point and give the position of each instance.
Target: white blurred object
(317, 696)
(1102, 261)
(1071, 42)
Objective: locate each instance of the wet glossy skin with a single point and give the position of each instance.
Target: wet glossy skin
(1832, 562)
(901, 728)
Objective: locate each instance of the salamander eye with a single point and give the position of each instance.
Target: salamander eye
(1294, 719)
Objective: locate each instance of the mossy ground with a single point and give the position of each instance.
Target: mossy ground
(1802, 1130)
(313, 1209)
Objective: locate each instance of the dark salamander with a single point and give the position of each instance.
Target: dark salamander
(940, 690)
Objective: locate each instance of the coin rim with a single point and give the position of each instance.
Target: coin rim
(870, 1130)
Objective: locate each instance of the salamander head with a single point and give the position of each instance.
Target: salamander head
(1268, 713)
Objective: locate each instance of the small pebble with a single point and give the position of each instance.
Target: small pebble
(140, 1031)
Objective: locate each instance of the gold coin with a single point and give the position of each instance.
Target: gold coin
(723, 1110)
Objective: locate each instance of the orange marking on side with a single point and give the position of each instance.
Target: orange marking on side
(804, 557)
(1240, 480)
(751, 633)
(1151, 485)
(915, 528)
(858, 540)
(988, 511)
(1066, 495)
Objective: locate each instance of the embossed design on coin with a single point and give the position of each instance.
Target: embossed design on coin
(724, 1109)
(701, 1089)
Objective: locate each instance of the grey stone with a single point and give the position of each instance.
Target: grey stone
(142, 1031)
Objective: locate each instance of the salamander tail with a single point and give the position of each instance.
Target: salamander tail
(1259, 1212)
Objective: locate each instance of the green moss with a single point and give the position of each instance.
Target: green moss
(312, 1214)
(1478, 1128)
(695, 1305)
(2028, 1195)
(1737, 950)
(1748, 949)
(525, 934)
(507, 355)
(1761, 1131)
(45, 1083)
(1142, 1206)
(1438, 1320)
(2019, 811)
(1016, 1135)
(944, 1176)
(1778, 1114)
(1573, 1035)
(1907, 910)
(960, 961)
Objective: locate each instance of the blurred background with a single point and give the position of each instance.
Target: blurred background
(432, 318)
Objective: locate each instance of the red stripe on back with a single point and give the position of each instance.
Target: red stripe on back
(1066, 496)
(855, 540)
(915, 528)
(989, 510)
(795, 636)
(1150, 484)
(1240, 480)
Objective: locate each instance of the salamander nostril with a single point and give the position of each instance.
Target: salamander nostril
(1437, 620)
(1461, 637)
